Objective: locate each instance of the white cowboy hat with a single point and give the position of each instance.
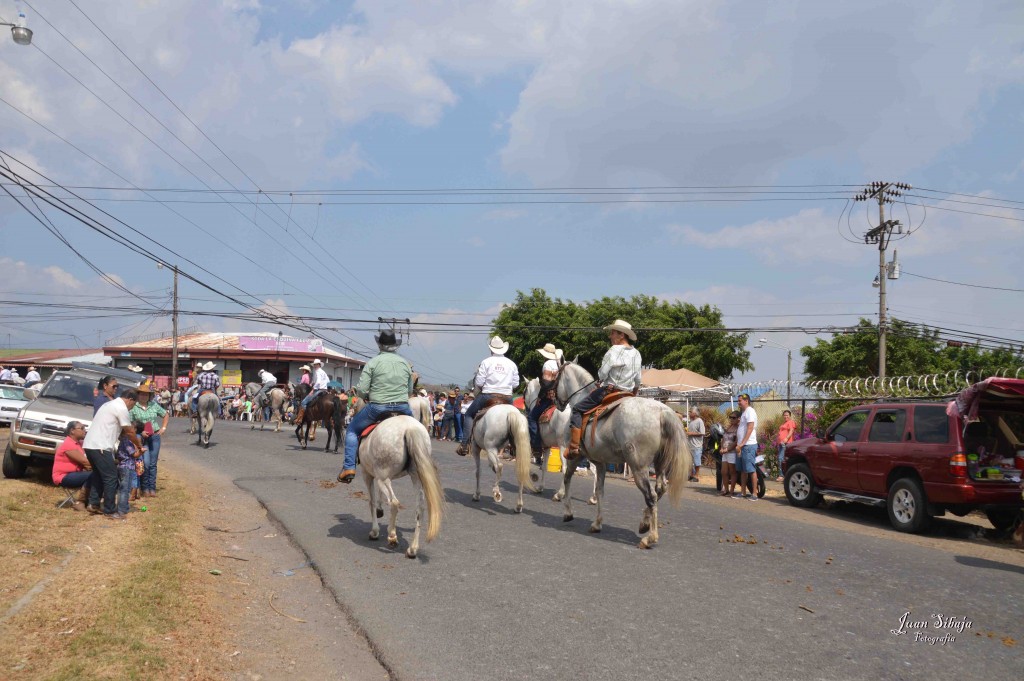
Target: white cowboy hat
(31, 368)
(135, 367)
(304, 367)
(209, 366)
(624, 327)
(317, 361)
(498, 346)
(549, 351)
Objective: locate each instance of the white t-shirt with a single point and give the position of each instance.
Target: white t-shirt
(498, 375)
(748, 416)
(106, 426)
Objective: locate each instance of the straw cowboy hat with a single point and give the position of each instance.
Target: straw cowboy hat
(624, 327)
(209, 366)
(498, 346)
(304, 367)
(145, 388)
(549, 351)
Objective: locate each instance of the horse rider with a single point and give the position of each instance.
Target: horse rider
(496, 378)
(269, 382)
(546, 397)
(620, 370)
(192, 394)
(5, 376)
(320, 381)
(207, 381)
(32, 377)
(385, 384)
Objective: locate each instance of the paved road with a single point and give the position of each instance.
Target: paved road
(506, 596)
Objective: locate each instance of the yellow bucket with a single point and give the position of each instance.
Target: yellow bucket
(555, 460)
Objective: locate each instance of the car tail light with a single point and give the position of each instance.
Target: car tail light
(958, 466)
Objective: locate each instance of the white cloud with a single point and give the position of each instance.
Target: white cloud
(21, 276)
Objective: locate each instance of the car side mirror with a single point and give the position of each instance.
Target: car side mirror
(31, 393)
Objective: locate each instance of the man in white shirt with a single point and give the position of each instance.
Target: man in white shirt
(100, 445)
(620, 370)
(695, 432)
(545, 398)
(32, 377)
(746, 446)
(269, 382)
(320, 380)
(496, 378)
(5, 375)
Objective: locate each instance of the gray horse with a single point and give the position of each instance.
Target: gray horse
(209, 406)
(499, 426)
(400, 446)
(277, 400)
(641, 433)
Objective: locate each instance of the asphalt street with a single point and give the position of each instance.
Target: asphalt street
(501, 595)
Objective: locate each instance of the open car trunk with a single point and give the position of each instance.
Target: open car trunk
(993, 433)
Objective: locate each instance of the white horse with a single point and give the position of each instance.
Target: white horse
(401, 446)
(501, 425)
(209, 406)
(640, 433)
(421, 410)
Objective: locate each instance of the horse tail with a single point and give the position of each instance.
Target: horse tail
(519, 435)
(676, 455)
(417, 447)
(423, 409)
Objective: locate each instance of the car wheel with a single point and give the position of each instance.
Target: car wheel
(1003, 518)
(14, 466)
(800, 488)
(907, 506)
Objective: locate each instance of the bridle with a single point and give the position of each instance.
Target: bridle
(559, 403)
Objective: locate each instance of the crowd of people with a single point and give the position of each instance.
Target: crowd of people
(10, 376)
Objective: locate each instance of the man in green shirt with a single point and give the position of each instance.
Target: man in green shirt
(385, 384)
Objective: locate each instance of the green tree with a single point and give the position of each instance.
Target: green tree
(910, 350)
(535, 319)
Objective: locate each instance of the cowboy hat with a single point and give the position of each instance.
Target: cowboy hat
(317, 361)
(209, 366)
(135, 367)
(304, 367)
(451, 393)
(387, 338)
(31, 368)
(549, 351)
(622, 327)
(145, 388)
(498, 346)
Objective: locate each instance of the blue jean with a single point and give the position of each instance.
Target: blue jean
(104, 478)
(150, 457)
(361, 422)
(477, 404)
(313, 394)
(782, 457)
(458, 426)
(125, 478)
(75, 479)
(745, 462)
(534, 421)
(446, 425)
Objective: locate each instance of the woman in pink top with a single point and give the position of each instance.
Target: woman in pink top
(71, 468)
(305, 375)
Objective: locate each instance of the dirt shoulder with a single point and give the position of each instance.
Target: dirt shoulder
(201, 585)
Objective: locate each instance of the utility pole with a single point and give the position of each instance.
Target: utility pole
(883, 192)
(174, 335)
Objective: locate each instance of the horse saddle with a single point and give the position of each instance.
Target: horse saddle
(491, 401)
(545, 416)
(590, 417)
(383, 417)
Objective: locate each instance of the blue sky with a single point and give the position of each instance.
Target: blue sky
(601, 94)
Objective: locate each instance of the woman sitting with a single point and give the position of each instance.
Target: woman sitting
(71, 468)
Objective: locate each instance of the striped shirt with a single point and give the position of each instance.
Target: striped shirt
(208, 381)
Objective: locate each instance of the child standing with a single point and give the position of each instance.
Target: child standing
(127, 475)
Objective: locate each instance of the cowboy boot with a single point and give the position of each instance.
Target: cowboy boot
(573, 452)
(81, 499)
(298, 417)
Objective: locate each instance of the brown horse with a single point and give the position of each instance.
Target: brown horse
(329, 409)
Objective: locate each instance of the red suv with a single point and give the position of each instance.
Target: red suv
(917, 460)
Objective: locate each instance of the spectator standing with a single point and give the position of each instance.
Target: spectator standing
(786, 433)
(71, 468)
(448, 419)
(109, 423)
(32, 377)
(456, 402)
(439, 405)
(746, 445)
(729, 456)
(106, 390)
(695, 431)
(154, 423)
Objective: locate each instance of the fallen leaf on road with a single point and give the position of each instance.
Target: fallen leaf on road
(840, 592)
(804, 607)
(215, 572)
(809, 588)
(328, 484)
(1009, 642)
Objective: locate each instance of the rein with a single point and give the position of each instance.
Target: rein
(559, 402)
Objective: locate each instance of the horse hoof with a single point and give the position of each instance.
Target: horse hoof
(538, 490)
(392, 541)
(644, 544)
(476, 497)
(644, 528)
(519, 508)
(568, 518)
(374, 537)
(497, 497)
(594, 529)
(592, 501)
(557, 497)
(409, 553)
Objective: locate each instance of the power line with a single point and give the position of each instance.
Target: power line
(960, 283)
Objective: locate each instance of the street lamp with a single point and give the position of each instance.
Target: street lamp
(789, 363)
(21, 34)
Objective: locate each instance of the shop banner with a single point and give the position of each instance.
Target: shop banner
(231, 377)
(278, 344)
